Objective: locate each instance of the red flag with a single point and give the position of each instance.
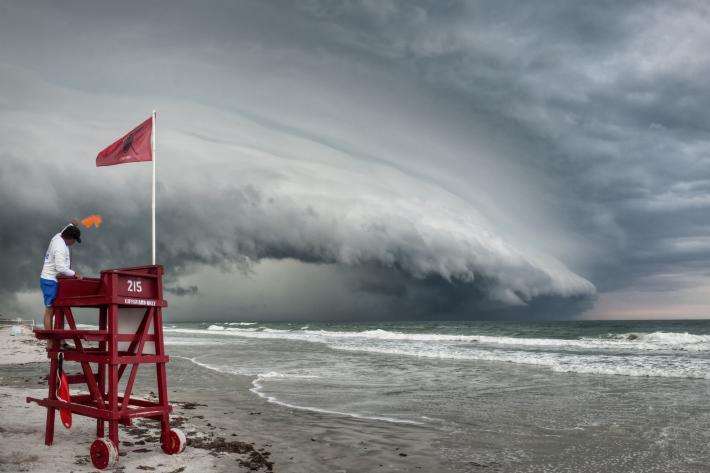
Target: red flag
(134, 147)
(63, 392)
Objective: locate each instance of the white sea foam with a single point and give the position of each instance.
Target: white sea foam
(628, 365)
(87, 327)
(217, 328)
(219, 369)
(650, 342)
(681, 341)
(185, 341)
(662, 354)
(258, 386)
(276, 374)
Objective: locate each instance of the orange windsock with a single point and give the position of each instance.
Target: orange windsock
(94, 220)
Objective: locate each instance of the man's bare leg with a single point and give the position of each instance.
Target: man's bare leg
(48, 311)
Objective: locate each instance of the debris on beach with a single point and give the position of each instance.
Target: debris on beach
(256, 459)
(249, 456)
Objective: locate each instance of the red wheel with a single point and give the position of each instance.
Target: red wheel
(103, 453)
(175, 443)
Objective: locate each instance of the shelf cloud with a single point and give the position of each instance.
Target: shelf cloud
(448, 159)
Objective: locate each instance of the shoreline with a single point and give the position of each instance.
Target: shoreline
(256, 388)
(492, 416)
(228, 427)
(24, 369)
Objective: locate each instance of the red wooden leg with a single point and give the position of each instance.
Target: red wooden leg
(51, 411)
(49, 428)
(113, 402)
(101, 370)
(113, 432)
(165, 425)
(160, 350)
(112, 374)
(101, 380)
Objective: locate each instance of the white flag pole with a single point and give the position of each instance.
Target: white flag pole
(153, 203)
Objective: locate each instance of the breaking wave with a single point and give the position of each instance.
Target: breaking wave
(661, 354)
(630, 341)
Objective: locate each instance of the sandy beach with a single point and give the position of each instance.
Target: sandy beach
(23, 373)
(345, 399)
(227, 429)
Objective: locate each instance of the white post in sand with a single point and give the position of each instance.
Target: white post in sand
(153, 204)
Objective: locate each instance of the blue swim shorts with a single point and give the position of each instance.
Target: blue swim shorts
(49, 290)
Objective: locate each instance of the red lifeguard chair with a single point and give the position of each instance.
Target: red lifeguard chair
(130, 320)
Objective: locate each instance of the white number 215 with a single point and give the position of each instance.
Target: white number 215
(134, 286)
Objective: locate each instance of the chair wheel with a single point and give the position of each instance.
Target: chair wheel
(103, 453)
(175, 443)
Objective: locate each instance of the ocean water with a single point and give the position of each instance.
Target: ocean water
(540, 396)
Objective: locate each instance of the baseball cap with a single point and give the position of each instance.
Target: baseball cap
(72, 231)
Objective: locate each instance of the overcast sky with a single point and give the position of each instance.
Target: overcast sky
(367, 159)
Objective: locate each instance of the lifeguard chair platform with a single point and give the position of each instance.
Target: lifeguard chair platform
(130, 333)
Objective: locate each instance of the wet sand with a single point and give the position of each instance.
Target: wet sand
(513, 419)
(228, 428)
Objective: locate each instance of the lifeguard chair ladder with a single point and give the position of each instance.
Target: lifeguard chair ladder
(130, 333)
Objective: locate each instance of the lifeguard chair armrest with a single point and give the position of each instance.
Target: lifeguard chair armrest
(61, 334)
(136, 274)
(96, 356)
(150, 269)
(87, 279)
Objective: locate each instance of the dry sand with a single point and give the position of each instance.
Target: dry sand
(17, 349)
(22, 428)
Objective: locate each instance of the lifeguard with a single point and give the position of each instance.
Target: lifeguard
(57, 261)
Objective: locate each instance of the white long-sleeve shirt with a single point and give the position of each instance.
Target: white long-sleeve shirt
(57, 259)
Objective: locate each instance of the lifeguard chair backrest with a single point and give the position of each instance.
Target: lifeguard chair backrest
(138, 284)
(134, 286)
(129, 319)
(136, 290)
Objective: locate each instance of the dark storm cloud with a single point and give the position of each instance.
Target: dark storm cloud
(467, 156)
(611, 100)
(182, 291)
